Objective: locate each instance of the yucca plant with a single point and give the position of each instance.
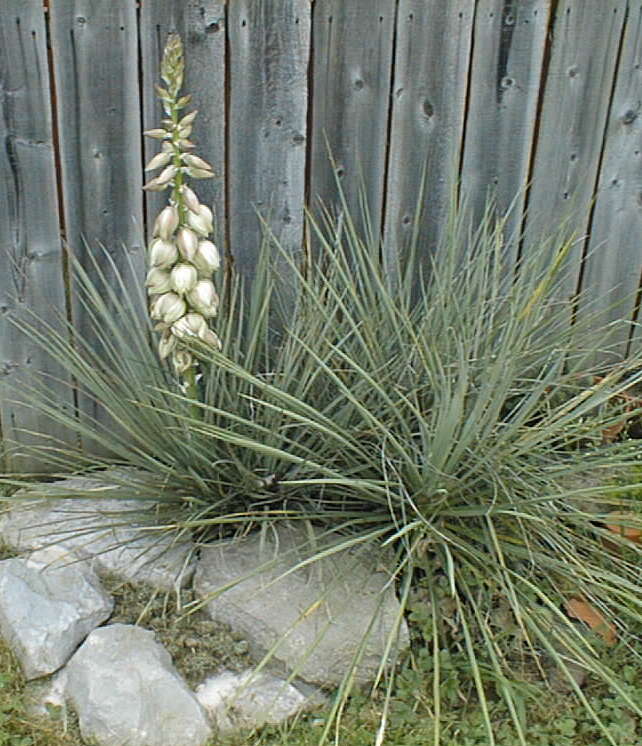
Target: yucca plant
(451, 428)
(439, 406)
(442, 412)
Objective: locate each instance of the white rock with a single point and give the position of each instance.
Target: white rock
(49, 603)
(120, 534)
(126, 692)
(250, 700)
(315, 618)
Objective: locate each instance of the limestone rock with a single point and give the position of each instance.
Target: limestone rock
(125, 690)
(117, 533)
(250, 700)
(48, 605)
(316, 616)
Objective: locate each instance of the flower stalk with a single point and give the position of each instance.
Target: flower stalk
(181, 258)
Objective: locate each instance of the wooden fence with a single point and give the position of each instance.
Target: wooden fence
(496, 93)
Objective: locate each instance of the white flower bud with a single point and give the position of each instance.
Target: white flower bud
(166, 222)
(187, 242)
(152, 310)
(182, 360)
(198, 173)
(191, 200)
(160, 159)
(158, 282)
(166, 345)
(190, 325)
(169, 307)
(207, 259)
(167, 147)
(188, 119)
(162, 92)
(167, 174)
(158, 134)
(203, 298)
(205, 212)
(186, 145)
(198, 223)
(184, 278)
(211, 339)
(162, 254)
(155, 185)
(196, 162)
(184, 132)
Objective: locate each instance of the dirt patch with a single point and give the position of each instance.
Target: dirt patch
(198, 646)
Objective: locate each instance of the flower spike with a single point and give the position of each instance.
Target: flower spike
(181, 258)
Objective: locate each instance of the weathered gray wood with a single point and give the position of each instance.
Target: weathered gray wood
(351, 68)
(612, 268)
(463, 72)
(269, 51)
(583, 61)
(506, 70)
(429, 101)
(95, 55)
(31, 281)
(201, 25)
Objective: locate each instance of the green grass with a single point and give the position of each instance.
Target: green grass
(18, 727)
(554, 719)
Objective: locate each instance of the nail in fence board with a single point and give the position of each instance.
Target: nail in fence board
(351, 69)
(612, 270)
(269, 46)
(31, 281)
(506, 69)
(577, 92)
(201, 26)
(95, 55)
(429, 100)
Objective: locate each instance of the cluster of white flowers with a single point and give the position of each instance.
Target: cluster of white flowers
(181, 258)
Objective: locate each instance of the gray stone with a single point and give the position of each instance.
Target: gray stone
(48, 605)
(125, 691)
(314, 619)
(119, 534)
(251, 699)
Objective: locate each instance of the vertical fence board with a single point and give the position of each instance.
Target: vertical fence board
(31, 281)
(506, 69)
(429, 101)
(352, 65)
(612, 267)
(578, 89)
(201, 25)
(95, 53)
(269, 54)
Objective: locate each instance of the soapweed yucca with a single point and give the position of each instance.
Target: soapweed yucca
(441, 407)
(445, 408)
(439, 404)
